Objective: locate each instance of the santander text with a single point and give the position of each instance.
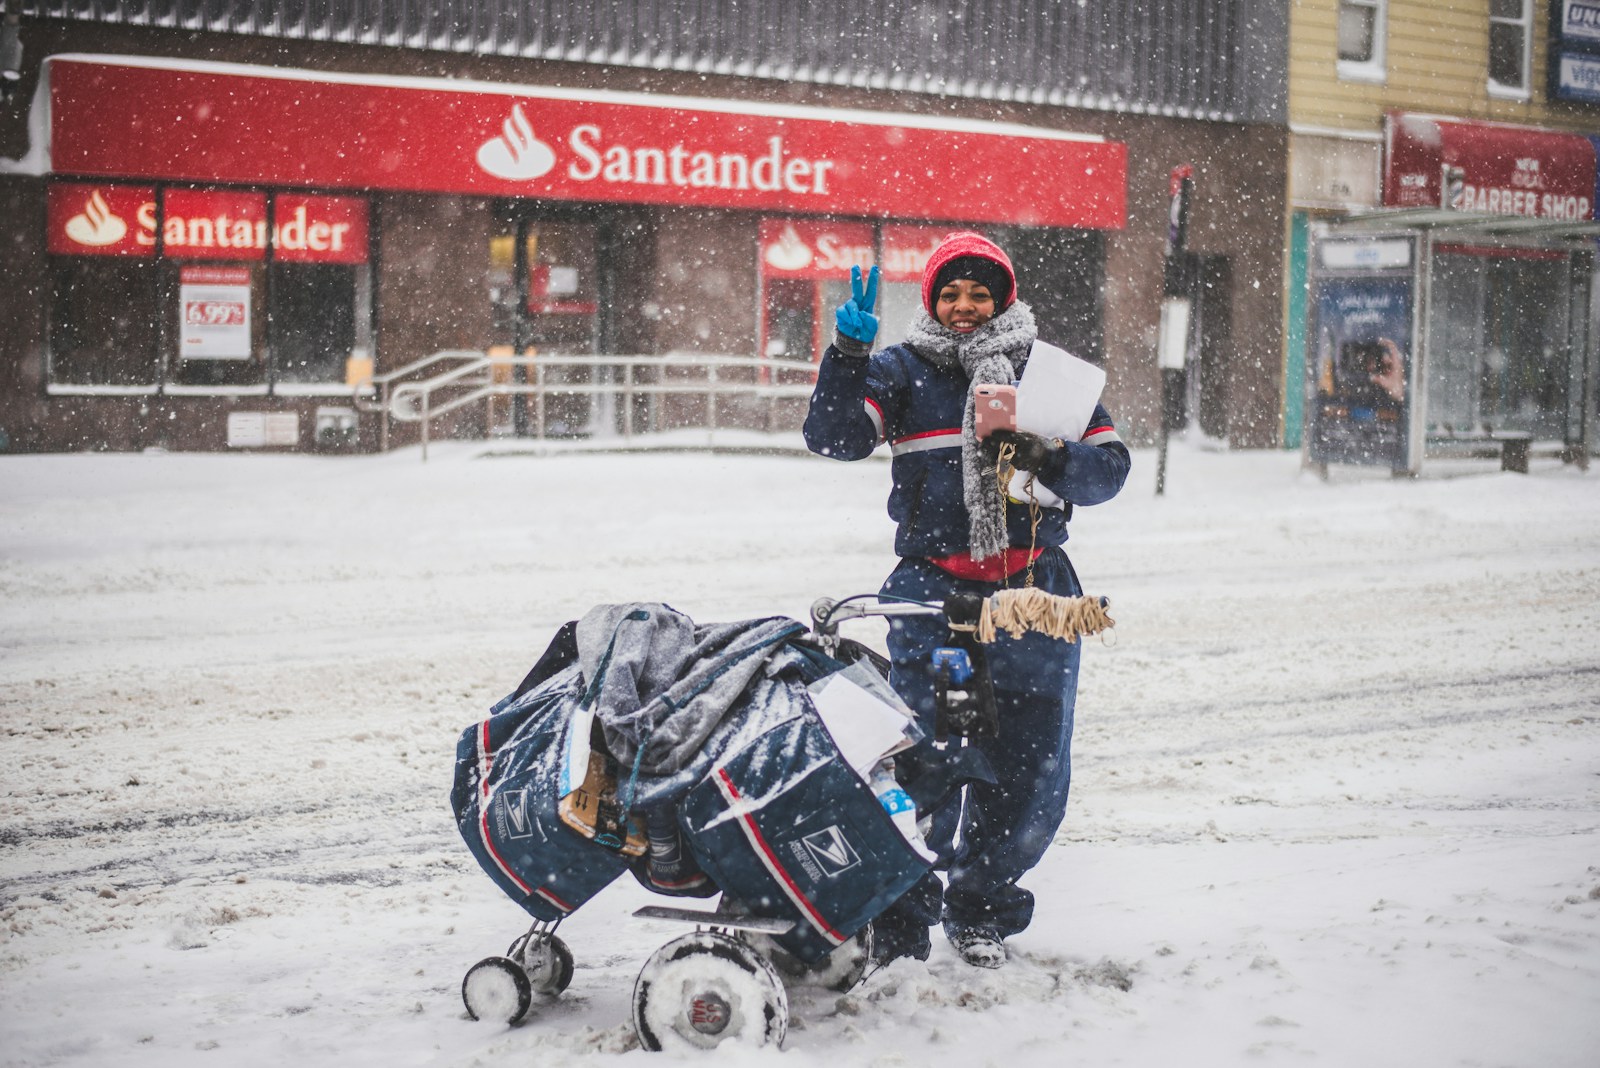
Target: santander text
(772, 171)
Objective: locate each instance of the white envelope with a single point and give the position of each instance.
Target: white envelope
(865, 728)
(1055, 399)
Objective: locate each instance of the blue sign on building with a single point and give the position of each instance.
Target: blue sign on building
(1575, 52)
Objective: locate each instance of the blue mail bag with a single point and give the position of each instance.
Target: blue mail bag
(508, 784)
(786, 828)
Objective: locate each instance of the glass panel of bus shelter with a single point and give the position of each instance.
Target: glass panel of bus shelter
(1500, 355)
(1526, 378)
(1455, 333)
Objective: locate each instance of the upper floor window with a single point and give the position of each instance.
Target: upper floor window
(1361, 39)
(1510, 35)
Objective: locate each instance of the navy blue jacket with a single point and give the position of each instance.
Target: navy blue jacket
(897, 396)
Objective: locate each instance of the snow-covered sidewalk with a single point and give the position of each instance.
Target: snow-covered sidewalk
(1337, 791)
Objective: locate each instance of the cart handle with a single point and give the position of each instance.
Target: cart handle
(1013, 611)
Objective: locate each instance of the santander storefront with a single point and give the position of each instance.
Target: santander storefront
(237, 232)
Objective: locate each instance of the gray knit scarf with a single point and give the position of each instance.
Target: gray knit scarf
(992, 354)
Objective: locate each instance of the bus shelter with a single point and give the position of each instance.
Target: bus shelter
(1436, 332)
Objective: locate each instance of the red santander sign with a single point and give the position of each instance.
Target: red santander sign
(198, 224)
(98, 220)
(807, 248)
(143, 119)
(1487, 168)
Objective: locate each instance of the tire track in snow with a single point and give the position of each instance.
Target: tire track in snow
(1365, 711)
(297, 843)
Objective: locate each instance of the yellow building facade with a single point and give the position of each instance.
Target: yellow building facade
(1393, 104)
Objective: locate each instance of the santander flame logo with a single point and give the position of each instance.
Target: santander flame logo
(789, 252)
(516, 155)
(97, 224)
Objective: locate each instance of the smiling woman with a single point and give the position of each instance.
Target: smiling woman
(959, 534)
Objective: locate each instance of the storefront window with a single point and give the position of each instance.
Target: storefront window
(205, 290)
(103, 329)
(104, 297)
(212, 244)
(791, 307)
(319, 292)
(319, 314)
(217, 326)
(905, 253)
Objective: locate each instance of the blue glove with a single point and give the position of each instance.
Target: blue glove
(854, 317)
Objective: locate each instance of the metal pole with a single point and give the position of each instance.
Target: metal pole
(1161, 444)
(538, 400)
(1173, 344)
(521, 327)
(1585, 338)
(627, 401)
(1421, 355)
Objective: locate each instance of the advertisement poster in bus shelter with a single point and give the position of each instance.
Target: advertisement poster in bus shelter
(1360, 371)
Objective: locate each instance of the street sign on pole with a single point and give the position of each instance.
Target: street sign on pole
(1176, 305)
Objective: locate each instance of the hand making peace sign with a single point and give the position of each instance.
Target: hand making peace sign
(854, 317)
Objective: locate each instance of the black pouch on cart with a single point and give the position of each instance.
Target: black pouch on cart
(789, 830)
(510, 776)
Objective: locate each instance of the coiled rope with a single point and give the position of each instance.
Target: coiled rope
(1018, 611)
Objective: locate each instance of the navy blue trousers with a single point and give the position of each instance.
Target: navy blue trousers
(991, 835)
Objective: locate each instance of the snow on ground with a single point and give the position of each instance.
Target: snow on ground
(1338, 773)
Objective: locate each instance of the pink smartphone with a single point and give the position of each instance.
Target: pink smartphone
(994, 408)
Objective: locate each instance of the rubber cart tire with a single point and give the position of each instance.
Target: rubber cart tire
(706, 988)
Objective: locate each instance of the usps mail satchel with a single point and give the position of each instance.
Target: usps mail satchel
(787, 827)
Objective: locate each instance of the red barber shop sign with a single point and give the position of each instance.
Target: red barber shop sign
(146, 119)
(1487, 168)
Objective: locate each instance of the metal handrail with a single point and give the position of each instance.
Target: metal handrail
(381, 382)
(471, 381)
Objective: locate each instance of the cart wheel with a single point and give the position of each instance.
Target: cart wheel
(707, 988)
(548, 962)
(839, 971)
(496, 988)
